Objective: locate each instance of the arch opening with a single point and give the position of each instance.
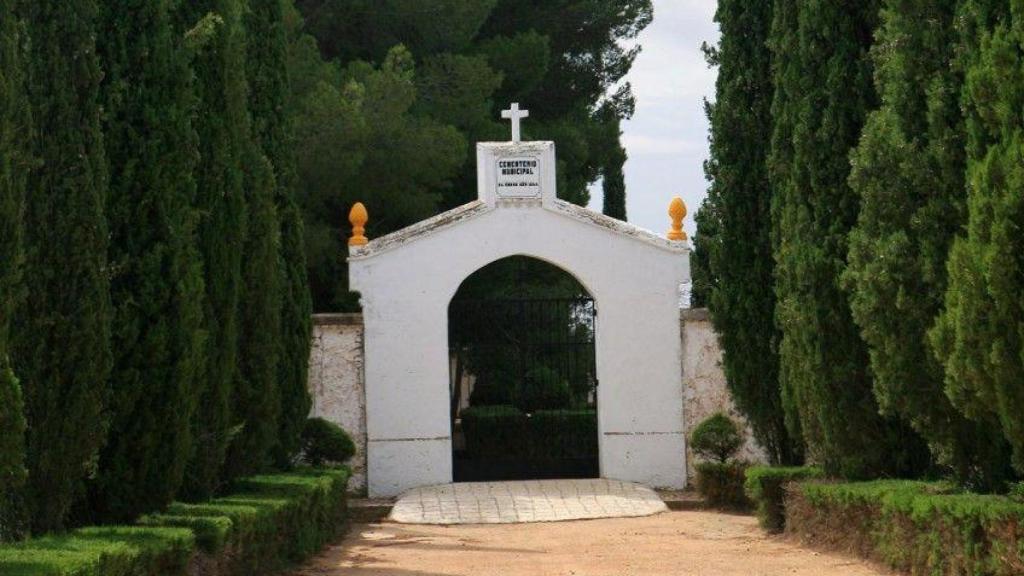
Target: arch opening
(523, 376)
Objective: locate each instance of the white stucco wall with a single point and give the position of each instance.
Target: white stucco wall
(336, 382)
(704, 386)
(407, 280)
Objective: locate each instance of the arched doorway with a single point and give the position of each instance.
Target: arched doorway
(523, 380)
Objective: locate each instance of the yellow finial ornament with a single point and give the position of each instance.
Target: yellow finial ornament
(677, 211)
(358, 217)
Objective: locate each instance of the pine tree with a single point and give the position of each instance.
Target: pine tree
(222, 128)
(156, 274)
(742, 300)
(909, 173)
(978, 337)
(13, 164)
(824, 90)
(614, 184)
(270, 93)
(61, 342)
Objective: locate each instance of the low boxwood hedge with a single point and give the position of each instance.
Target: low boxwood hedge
(766, 488)
(493, 431)
(721, 484)
(915, 527)
(265, 524)
(562, 434)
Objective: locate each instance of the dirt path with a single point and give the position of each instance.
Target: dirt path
(671, 544)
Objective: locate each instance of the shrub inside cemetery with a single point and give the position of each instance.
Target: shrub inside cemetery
(325, 442)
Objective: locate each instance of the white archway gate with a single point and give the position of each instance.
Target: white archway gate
(407, 280)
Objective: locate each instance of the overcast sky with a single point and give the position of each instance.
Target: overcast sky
(667, 139)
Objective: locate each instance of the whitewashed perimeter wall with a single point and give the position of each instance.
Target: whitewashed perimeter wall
(336, 381)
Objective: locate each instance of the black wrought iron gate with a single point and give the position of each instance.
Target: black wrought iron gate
(523, 388)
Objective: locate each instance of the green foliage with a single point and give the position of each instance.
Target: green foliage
(267, 523)
(765, 486)
(899, 247)
(156, 280)
(257, 396)
(61, 334)
(270, 96)
(562, 434)
(978, 337)
(718, 437)
(372, 127)
(721, 484)
(13, 169)
(506, 432)
(823, 91)
(324, 441)
(915, 527)
(705, 242)
(614, 185)
(218, 65)
(733, 264)
(493, 431)
(113, 551)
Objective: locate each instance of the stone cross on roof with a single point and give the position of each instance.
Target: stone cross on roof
(516, 116)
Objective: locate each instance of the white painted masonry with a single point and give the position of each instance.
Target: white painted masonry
(336, 382)
(407, 279)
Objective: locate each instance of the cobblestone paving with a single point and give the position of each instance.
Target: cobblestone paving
(527, 501)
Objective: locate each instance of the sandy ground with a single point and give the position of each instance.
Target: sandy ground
(671, 544)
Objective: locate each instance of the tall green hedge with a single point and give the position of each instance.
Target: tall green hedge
(978, 338)
(909, 173)
(742, 298)
(13, 164)
(61, 341)
(269, 98)
(823, 93)
(156, 274)
(221, 111)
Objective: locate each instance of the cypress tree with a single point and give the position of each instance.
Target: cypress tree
(614, 184)
(257, 394)
(978, 337)
(824, 90)
(269, 102)
(742, 300)
(13, 129)
(61, 337)
(257, 398)
(221, 124)
(156, 275)
(909, 173)
(705, 242)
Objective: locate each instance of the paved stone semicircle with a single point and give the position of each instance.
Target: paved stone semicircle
(525, 501)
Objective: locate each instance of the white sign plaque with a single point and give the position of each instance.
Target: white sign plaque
(518, 177)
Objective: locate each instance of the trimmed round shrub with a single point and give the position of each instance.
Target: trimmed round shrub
(325, 442)
(718, 438)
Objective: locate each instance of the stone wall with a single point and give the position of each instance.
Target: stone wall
(337, 382)
(704, 388)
